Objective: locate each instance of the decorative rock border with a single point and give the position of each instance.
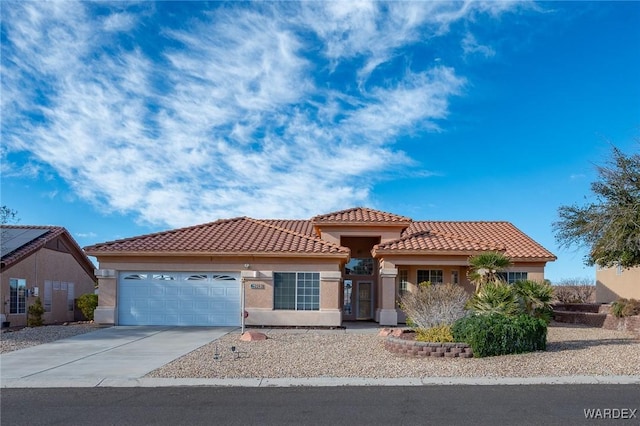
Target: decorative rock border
(417, 349)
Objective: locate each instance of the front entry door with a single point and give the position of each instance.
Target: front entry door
(365, 300)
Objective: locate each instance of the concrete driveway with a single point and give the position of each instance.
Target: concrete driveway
(109, 353)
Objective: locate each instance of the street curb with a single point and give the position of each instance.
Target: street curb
(317, 382)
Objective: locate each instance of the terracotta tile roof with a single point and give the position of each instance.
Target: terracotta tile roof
(244, 235)
(427, 241)
(468, 236)
(240, 235)
(304, 227)
(31, 246)
(361, 215)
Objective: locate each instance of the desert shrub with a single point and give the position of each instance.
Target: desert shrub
(573, 294)
(433, 305)
(34, 319)
(625, 308)
(439, 333)
(584, 293)
(495, 298)
(574, 290)
(535, 298)
(564, 294)
(87, 303)
(496, 334)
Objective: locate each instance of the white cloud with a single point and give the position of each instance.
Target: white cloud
(230, 115)
(470, 46)
(86, 234)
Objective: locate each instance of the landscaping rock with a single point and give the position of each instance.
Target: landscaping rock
(252, 336)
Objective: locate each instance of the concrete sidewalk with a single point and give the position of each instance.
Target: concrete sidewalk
(121, 353)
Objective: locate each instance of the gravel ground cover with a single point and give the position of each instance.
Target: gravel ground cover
(571, 350)
(32, 336)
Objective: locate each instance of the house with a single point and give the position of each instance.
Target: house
(617, 282)
(45, 262)
(341, 266)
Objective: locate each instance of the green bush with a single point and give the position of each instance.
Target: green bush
(440, 334)
(625, 308)
(497, 334)
(34, 319)
(87, 303)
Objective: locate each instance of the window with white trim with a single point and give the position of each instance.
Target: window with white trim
(403, 281)
(512, 277)
(298, 291)
(17, 295)
(434, 276)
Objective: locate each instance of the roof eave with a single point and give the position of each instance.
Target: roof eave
(425, 252)
(99, 254)
(534, 259)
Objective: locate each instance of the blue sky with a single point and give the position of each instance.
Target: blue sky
(120, 119)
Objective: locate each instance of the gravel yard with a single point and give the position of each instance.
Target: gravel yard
(571, 350)
(32, 336)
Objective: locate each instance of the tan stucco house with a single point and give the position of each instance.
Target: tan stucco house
(347, 265)
(617, 282)
(45, 262)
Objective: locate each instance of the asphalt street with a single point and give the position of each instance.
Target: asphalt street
(362, 405)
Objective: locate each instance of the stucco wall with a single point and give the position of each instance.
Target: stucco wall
(44, 265)
(257, 275)
(612, 284)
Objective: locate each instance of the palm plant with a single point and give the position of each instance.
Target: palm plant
(486, 267)
(495, 298)
(535, 298)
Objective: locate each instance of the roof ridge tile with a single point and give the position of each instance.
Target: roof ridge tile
(369, 211)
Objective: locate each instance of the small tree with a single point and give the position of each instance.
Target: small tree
(8, 215)
(486, 267)
(36, 311)
(87, 303)
(609, 227)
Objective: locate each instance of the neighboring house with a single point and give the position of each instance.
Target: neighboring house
(347, 265)
(45, 262)
(617, 282)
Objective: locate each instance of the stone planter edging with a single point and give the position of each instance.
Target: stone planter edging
(417, 349)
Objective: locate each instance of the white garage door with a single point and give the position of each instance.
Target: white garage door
(179, 298)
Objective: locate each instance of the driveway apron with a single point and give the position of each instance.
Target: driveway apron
(115, 352)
